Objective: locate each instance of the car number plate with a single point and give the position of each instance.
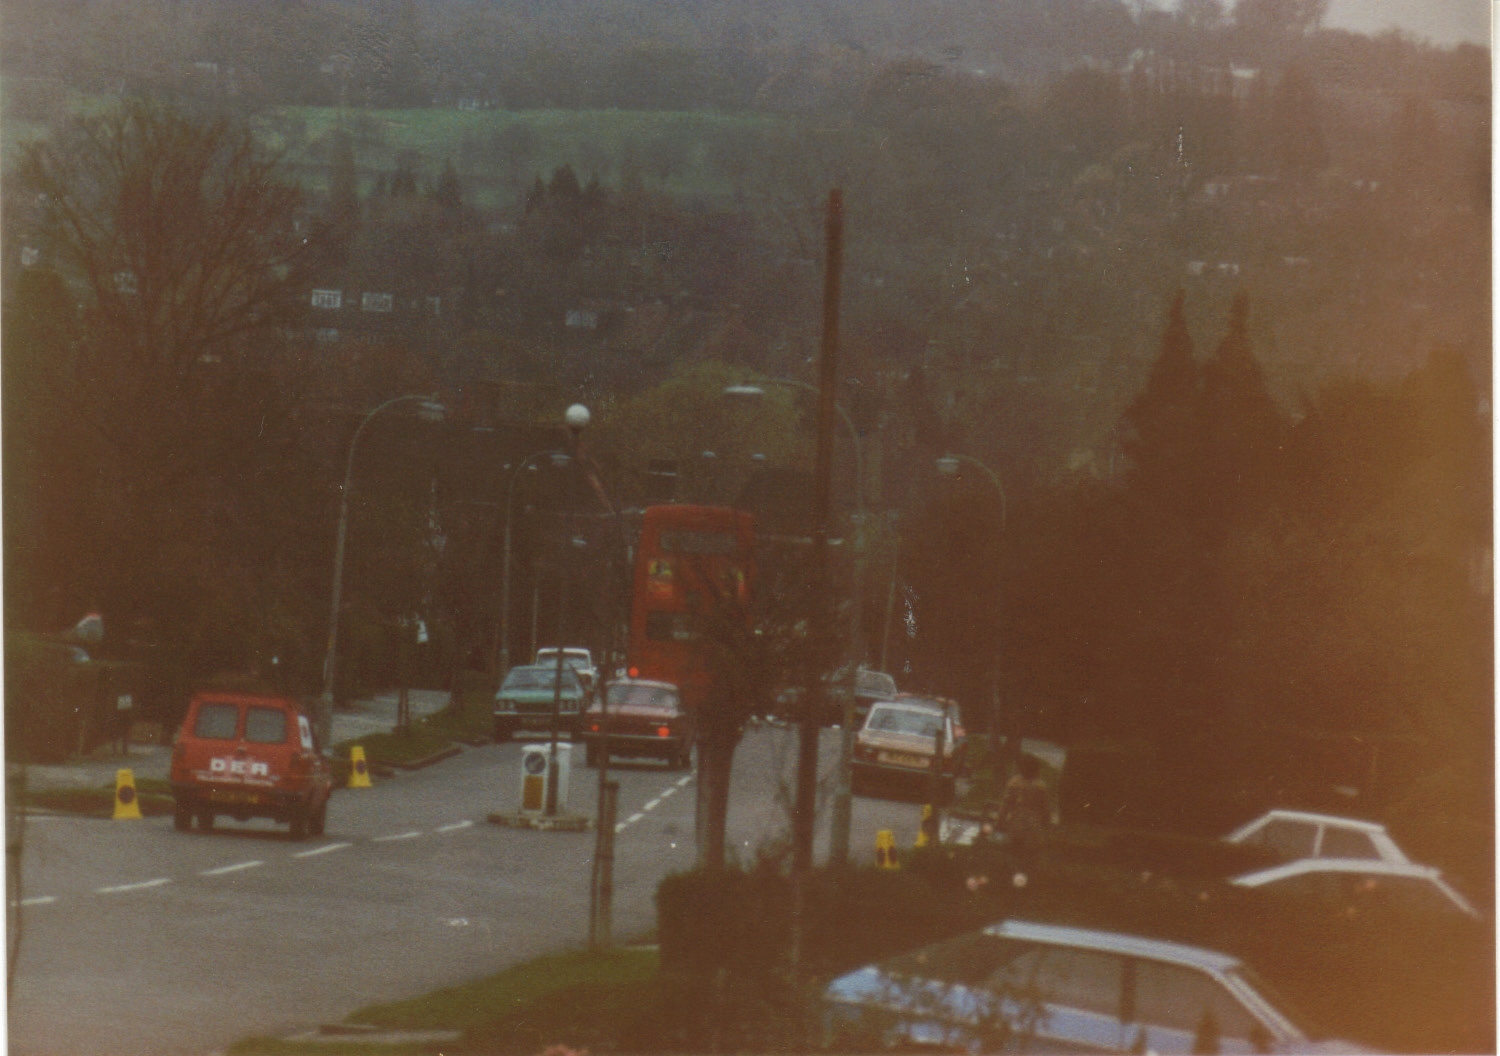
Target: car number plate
(219, 796)
(903, 759)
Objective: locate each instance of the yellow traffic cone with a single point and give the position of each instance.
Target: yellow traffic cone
(885, 850)
(127, 804)
(923, 839)
(359, 770)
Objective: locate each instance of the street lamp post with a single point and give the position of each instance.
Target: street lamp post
(576, 418)
(949, 465)
(558, 458)
(434, 411)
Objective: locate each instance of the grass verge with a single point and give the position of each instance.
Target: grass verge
(581, 999)
(471, 722)
(154, 797)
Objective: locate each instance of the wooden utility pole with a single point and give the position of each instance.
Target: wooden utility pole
(805, 807)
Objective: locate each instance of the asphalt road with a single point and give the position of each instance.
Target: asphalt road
(137, 939)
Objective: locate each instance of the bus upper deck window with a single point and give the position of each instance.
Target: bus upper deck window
(688, 541)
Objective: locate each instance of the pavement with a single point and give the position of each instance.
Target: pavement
(357, 719)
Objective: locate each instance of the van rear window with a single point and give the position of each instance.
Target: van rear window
(265, 726)
(217, 721)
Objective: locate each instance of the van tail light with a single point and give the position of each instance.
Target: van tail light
(664, 731)
(593, 727)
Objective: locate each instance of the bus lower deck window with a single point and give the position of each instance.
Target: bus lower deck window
(670, 627)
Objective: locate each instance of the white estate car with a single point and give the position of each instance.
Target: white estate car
(1353, 885)
(1293, 834)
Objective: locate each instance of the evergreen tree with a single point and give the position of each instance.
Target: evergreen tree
(564, 186)
(1243, 429)
(537, 197)
(1164, 423)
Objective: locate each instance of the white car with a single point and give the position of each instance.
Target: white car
(1020, 986)
(1293, 834)
(898, 744)
(1355, 885)
(576, 657)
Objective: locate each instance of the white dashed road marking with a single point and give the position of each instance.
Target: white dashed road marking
(652, 804)
(325, 849)
(221, 870)
(141, 886)
(396, 836)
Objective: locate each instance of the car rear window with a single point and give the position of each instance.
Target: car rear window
(217, 721)
(904, 720)
(265, 725)
(643, 697)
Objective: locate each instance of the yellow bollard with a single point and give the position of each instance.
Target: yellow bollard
(885, 850)
(923, 839)
(127, 804)
(359, 770)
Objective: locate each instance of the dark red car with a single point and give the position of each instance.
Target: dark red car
(638, 717)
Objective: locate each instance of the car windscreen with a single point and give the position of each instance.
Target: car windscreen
(523, 678)
(217, 722)
(970, 960)
(265, 725)
(904, 720)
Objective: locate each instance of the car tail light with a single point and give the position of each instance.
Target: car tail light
(593, 727)
(633, 672)
(664, 731)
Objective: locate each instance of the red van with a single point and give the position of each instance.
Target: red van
(249, 756)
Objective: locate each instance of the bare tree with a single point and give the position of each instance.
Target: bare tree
(178, 241)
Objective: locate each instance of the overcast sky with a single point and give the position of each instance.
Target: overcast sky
(1440, 21)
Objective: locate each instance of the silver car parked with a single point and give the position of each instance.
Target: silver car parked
(1020, 986)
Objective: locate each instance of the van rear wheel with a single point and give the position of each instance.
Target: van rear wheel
(318, 820)
(298, 825)
(182, 818)
(206, 821)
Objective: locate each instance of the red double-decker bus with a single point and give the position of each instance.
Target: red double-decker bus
(692, 563)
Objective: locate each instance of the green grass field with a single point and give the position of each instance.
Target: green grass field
(497, 153)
